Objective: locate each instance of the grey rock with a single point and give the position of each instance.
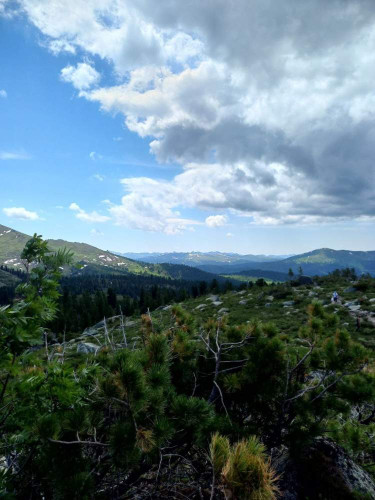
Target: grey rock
(243, 302)
(323, 470)
(288, 303)
(355, 308)
(213, 298)
(90, 332)
(94, 330)
(223, 310)
(87, 348)
(167, 308)
(217, 303)
(270, 298)
(268, 304)
(350, 289)
(200, 307)
(338, 474)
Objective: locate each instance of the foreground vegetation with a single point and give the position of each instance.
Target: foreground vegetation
(187, 402)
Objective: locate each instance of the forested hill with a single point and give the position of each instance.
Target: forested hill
(318, 262)
(324, 261)
(95, 260)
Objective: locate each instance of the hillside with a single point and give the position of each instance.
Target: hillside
(268, 323)
(8, 279)
(273, 375)
(318, 262)
(96, 261)
(253, 274)
(324, 261)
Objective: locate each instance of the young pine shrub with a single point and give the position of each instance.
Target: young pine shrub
(219, 453)
(246, 472)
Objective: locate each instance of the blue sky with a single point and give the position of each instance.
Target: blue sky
(142, 129)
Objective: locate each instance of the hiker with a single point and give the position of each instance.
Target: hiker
(335, 297)
(358, 323)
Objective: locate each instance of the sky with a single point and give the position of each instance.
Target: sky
(140, 126)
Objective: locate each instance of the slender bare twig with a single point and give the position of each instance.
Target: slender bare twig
(58, 441)
(222, 401)
(123, 328)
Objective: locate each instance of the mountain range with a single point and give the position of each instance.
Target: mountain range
(191, 266)
(321, 261)
(201, 258)
(95, 260)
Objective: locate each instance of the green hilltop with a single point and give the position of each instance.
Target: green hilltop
(94, 260)
(325, 260)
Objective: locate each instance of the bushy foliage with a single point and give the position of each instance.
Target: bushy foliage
(93, 426)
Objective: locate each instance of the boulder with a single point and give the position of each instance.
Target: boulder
(354, 307)
(91, 331)
(243, 302)
(213, 298)
(87, 348)
(223, 310)
(288, 303)
(200, 307)
(322, 470)
(216, 303)
(94, 330)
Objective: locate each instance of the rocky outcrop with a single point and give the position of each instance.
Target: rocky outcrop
(322, 470)
(87, 348)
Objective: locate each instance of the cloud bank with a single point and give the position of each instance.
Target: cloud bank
(11, 155)
(268, 107)
(81, 76)
(87, 216)
(20, 213)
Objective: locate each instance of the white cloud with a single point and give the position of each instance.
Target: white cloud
(88, 217)
(266, 106)
(8, 155)
(81, 76)
(95, 156)
(96, 232)
(20, 213)
(229, 235)
(8, 9)
(60, 46)
(3, 93)
(149, 205)
(216, 220)
(99, 177)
